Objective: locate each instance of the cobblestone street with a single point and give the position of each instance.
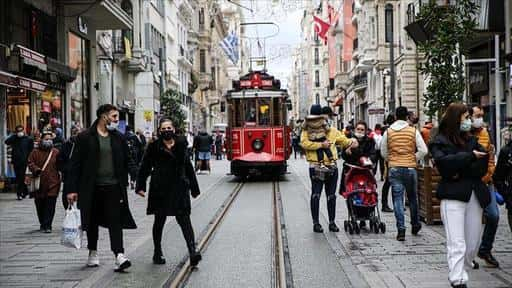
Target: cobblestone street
(29, 258)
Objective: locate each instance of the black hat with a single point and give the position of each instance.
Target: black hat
(326, 110)
(315, 109)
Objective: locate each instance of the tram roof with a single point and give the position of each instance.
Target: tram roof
(258, 93)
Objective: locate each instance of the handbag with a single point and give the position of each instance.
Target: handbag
(35, 181)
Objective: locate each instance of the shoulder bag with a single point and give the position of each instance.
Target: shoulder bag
(35, 181)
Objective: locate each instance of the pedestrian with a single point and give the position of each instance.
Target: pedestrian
(317, 127)
(491, 212)
(42, 162)
(202, 144)
(390, 119)
(141, 137)
(218, 145)
(425, 131)
(379, 161)
(64, 160)
(296, 144)
(462, 163)
(100, 186)
(21, 146)
(403, 146)
(503, 178)
(136, 150)
(172, 182)
(351, 155)
(319, 178)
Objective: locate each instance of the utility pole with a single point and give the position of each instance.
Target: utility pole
(390, 39)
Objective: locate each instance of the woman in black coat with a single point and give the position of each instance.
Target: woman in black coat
(462, 164)
(172, 182)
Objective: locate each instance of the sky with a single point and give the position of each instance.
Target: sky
(279, 49)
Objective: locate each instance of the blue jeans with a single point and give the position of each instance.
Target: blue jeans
(330, 191)
(492, 217)
(404, 180)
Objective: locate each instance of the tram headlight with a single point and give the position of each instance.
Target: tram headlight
(257, 145)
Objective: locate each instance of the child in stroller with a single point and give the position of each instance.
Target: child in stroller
(361, 197)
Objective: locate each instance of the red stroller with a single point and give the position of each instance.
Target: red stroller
(362, 199)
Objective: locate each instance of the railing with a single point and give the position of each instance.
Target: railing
(361, 79)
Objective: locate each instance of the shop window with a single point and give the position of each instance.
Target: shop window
(79, 88)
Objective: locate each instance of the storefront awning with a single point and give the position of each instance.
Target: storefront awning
(65, 72)
(32, 58)
(8, 79)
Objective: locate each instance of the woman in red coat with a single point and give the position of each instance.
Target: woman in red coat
(46, 196)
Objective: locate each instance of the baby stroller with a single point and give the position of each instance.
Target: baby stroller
(361, 196)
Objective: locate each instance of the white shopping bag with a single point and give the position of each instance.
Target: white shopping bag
(72, 228)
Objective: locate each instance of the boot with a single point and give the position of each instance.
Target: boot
(195, 256)
(158, 257)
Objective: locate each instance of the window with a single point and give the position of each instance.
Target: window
(317, 99)
(389, 23)
(201, 19)
(316, 38)
(213, 85)
(317, 78)
(317, 57)
(202, 61)
(264, 112)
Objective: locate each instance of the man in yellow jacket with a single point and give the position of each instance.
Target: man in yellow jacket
(491, 212)
(320, 176)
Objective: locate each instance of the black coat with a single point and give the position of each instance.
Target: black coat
(84, 166)
(203, 142)
(461, 172)
(21, 148)
(172, 178)
(366, 148)
(502, 177)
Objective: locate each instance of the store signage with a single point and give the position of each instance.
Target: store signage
(31, 84)
(82, 25)
(376, 111)
(32, 58)
(8, 80)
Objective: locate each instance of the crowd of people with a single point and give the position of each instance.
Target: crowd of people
(462, 152)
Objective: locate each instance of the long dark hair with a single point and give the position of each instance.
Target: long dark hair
(450, 124)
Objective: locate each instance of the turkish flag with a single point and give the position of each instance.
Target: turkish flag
(321, 28)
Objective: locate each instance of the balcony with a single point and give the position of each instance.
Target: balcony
(360, 81)
(105, 14)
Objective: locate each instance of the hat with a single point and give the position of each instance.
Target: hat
(328, 111)
(315, 109)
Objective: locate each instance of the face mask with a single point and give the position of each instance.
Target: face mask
(167, 134)
(20, 134)
(465, 125)
(46, 144)
(359, 135)
(112, 126)
(478, 122)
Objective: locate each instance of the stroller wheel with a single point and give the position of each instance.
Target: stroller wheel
(345, 225)
(376, 228)
(357, 229)
(382, 227)
(350, 229)
(362, 224)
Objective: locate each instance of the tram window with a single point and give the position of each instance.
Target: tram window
(250, 111)
(264, 112)
(277, 111)
(237, 113)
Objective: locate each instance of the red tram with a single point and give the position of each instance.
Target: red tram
(257, 136)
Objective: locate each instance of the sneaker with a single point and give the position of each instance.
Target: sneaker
(333, 228)
(459, 286)
(19, 198)
(47, 230)
(416, 229)
(386, 209)
(475, 265)
(489, 259)
(158, 259)
(318, 228)
(400, 235)
(93, 260)
(121, 263)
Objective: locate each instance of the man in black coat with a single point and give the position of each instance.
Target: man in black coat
(21, 145)
(203, 143)
(98, 180)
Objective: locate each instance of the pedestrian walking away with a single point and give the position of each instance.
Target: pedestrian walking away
(202, 144)
(462, 163)
(173, 180)
(136, 150)
(390, 119)
(379, 161)
(320, 177)
(100, 186)
(42, 162)
(219, 143)
(64, 160)
(21, 146)
(402, 146)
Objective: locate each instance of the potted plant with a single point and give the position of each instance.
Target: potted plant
(447, 28)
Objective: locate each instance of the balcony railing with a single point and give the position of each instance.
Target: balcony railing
(360, 80)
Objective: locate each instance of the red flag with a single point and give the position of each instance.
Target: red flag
(321, 28)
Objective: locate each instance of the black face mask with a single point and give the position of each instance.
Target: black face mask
(167, 134)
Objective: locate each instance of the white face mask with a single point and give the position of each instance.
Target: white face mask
(359, 135)
(112, 126)
(20, 134)
(478, 122)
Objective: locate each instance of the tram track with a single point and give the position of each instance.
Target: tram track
(280, 268)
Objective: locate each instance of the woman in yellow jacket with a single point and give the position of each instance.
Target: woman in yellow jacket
(320, 176)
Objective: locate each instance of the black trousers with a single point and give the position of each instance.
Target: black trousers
(186, 229)
(385, 192)
(21, 187)
(45, 208)
(106, 208)
(380, 164)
